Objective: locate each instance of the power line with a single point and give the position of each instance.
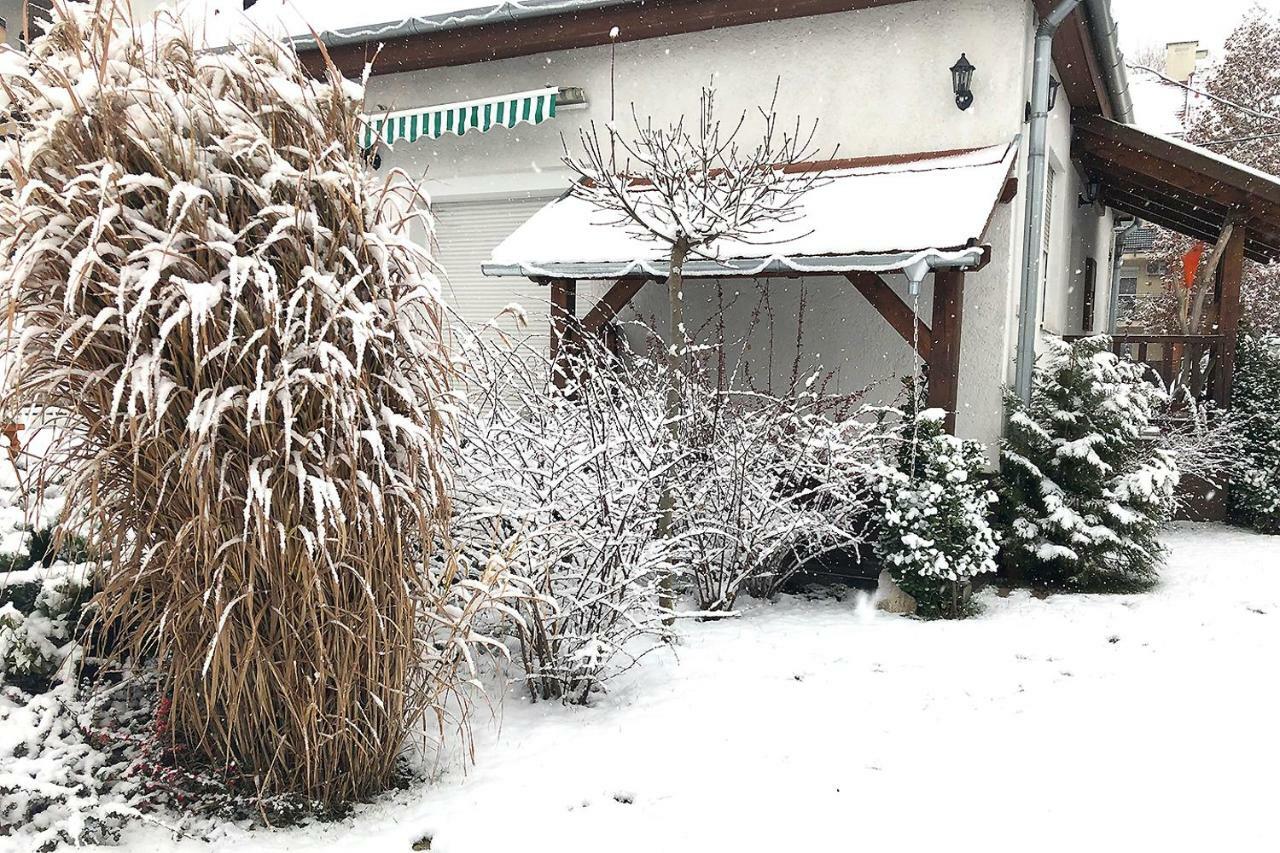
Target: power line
(1208, 95)
(1232, 140)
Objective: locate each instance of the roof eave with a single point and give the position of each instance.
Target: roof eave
(966, 258)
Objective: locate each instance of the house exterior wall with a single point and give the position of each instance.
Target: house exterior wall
(877, 80)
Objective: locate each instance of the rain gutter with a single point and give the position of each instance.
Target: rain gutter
(504, 12)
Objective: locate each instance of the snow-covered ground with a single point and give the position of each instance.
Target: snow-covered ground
(1078, 722)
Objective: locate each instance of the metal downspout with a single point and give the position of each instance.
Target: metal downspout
(1033, 232)
(1117, 261)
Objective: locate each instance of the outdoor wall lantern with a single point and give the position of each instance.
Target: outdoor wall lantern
(1054, 85)
(961, 79)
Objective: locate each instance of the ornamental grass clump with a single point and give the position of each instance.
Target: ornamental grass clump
(205, 286)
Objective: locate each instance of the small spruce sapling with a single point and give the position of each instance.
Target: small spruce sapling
(936, 537)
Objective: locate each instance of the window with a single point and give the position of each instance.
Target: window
(1049, 190)
(1090, 293)
(1128, 291)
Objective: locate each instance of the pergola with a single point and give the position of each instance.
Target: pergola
(1194, 192)
(862, 221)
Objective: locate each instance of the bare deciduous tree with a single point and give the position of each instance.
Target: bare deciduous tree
(688, 188)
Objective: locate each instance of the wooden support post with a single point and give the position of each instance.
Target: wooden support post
(944, 359)
(1230, 273)
(896, 312)
(564, 309)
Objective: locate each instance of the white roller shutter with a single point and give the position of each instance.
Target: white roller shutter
(466, 233)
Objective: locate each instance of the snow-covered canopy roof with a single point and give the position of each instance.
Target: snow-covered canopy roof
(882, 215)
(1180, 186)
(223, 22)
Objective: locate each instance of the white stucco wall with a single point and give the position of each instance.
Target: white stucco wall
(878, 80)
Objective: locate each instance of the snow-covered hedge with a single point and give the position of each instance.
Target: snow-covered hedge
(937, 536)
(1255, 486)
(40, 612)
(559, 491)
(1086, 485)
(768, 484)
(563, 489)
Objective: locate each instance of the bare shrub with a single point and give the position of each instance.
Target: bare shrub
(561, 487)
(213, 293)
(771, 482)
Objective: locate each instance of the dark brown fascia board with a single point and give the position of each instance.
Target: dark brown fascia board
(1073, 51)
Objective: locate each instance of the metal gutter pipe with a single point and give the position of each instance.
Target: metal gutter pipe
(499, 10)
(1106, 42)
(1117, 251)
(1037, 163)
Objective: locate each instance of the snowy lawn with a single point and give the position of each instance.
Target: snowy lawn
(1077, 722)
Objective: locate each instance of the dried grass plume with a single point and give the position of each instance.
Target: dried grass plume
(223, 308)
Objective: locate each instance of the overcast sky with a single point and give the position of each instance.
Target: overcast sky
(1144, 22)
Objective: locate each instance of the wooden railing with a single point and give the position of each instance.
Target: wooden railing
(1193, 362)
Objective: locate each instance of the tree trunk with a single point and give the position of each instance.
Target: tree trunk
(1193, 311)
(677, 352)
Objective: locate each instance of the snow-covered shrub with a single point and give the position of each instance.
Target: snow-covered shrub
(210, 288)
(769, 484)
(67, 766)
(1086, 485)
(1205, 443)
(559, 488)
(936, 533)
(40, 614)
(1255, 487)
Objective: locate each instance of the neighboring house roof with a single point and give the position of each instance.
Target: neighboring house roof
(874, 214)
(1159, 105)
(1140, 239)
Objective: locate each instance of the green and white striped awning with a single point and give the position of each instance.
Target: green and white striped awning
(479, 115)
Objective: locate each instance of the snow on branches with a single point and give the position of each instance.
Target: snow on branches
(1086, 483)
(937, 537)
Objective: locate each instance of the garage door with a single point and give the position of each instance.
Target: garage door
(466, 234)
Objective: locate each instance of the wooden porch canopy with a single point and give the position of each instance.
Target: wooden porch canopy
(1197, 193)
(1179, 186)
(913, 214)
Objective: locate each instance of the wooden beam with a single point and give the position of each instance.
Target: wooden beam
(567, 30)
(564, 308)
(1009, 191)
(944, 360)
(896, 312)
(1231, 271)
(611, 304)
(1095, 135)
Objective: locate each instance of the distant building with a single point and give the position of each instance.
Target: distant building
(1162, 107)
(1182, 58)
(1140, 277)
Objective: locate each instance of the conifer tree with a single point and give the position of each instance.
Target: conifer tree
(937, 537)
(1255, 490)
(1085, 490)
